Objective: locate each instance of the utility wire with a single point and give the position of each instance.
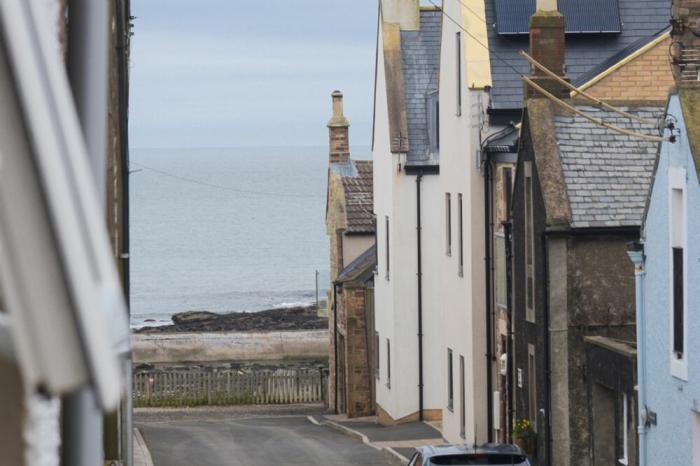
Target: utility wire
(222, 187)
(538, 88)
(590, 118)
(578, 91)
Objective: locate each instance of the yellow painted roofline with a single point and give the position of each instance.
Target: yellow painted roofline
(624, 61)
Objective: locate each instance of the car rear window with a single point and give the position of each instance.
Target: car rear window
(478, 460)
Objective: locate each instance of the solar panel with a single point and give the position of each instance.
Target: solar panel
(582, 16)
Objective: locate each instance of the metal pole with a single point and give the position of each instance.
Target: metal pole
(317, 309)
(123, 19)
(87, 70)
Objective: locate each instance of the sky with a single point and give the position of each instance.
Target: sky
(225, 73)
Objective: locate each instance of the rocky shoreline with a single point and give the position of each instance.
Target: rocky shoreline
(271, 320)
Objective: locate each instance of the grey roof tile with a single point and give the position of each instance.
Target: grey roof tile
(420, 53)
(607, 174)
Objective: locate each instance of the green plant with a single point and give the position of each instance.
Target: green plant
(523, 428)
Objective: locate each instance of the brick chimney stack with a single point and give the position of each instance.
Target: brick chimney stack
(548, 47)
(338, 133)
(685, 51)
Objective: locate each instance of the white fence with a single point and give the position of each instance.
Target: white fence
(228, 387)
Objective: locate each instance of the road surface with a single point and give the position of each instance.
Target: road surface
(257, 441)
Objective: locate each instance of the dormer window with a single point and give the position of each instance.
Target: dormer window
(433, 104)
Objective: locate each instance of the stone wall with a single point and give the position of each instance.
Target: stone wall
(209, 347)
(357, 357)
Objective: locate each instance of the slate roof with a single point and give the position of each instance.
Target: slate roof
(607, 174)
(357, 185)
(361, 268)
(640, 19)
(420, 56)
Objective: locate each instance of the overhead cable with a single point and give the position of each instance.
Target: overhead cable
(542, 91)
(223, 187)
(576, 90)
(588, 117)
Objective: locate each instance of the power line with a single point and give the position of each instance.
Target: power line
(547, 95)
(222, 187)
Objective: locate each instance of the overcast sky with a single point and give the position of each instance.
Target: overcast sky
(219, 73)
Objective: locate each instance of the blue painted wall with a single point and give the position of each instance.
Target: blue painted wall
(674, 400)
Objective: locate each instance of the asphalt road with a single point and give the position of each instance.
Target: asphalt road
(259, 441)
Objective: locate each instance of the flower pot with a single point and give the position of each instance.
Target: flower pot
(528, 444)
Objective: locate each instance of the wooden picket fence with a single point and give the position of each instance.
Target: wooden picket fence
(158, 388)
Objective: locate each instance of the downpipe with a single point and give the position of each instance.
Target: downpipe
(335, 344)
(488, 260)
(636, 255)
(419, 275)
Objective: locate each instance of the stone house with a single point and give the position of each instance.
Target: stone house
(633, 50)
(578, 200)
(350, 227)
(667, 264)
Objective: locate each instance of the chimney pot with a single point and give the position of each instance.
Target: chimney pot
(547, 5)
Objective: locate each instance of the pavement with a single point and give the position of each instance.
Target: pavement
(399, 441)
(142, 457)
(175, 438)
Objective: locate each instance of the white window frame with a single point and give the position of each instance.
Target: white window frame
(532, 384)
(695, 420)
(530, 294)
(623, 425)
(678, 235)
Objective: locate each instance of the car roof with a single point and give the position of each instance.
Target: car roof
(447, 449)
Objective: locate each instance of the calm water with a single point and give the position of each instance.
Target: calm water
(226, 229)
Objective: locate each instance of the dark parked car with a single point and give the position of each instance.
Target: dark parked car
(469, 455)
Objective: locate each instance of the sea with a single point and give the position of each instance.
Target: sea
(227, 229)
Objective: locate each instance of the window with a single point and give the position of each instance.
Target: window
(532, 384)
(450, 381)
(448, 224)
(529, 246)
(339, 247)
(696, 438)
(678, 276)
(433, 108)
(623, 428)
(376, 355)
(459, 73)
(386, 240)
(462, 400)
(508, 190)
(460, 225)
(388, 363)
